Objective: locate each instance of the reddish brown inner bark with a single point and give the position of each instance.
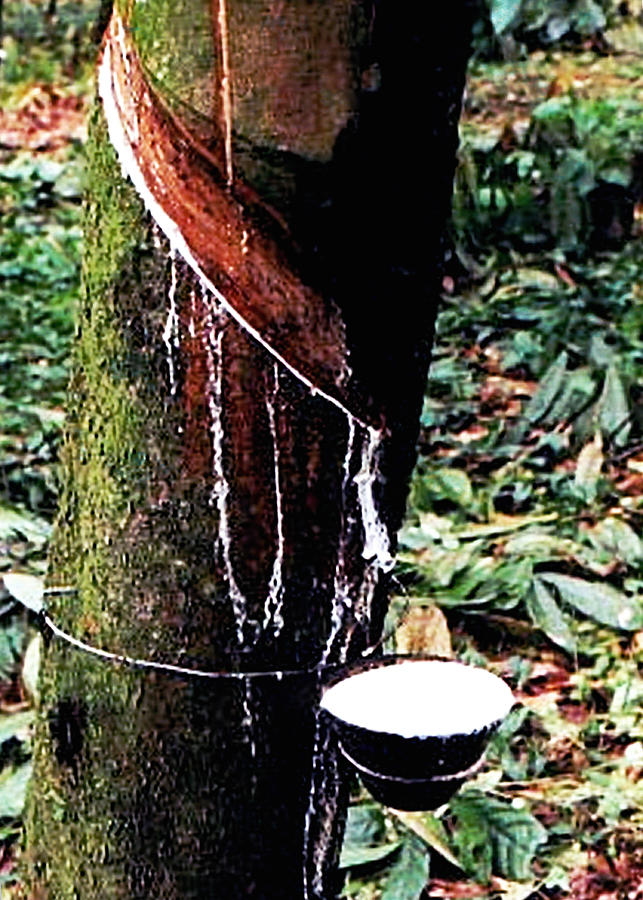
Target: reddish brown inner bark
(238, 241)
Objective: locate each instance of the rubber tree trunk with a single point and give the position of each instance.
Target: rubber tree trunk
(268, 184)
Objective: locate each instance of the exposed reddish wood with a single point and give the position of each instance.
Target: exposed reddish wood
(249, 261)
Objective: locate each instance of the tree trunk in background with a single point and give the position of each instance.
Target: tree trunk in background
(248, 374)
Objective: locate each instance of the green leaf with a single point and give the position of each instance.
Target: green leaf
(472, 836)
(590, 18)
(601, 352)
(599, 601)
(550, 385)
(613, 409)
(542, 545)
(408, 877)
(31, 527)
(430, 830)
(494, 837)
(516, 767)
(12, 641)
(13, 787)
(15, 725)
(508, 523)
(455, 485)
(364, 838)
(539, 279)
(443, 566)
(547, 615)
(48, 170)
(616, 538)
(489, 583)
(441, 484)
(27, 589)
(572, 180)
(352, 856)
(364, 825)
(504, 13)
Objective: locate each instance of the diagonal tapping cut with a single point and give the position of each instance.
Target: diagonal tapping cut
(252, 381)
(207, 218)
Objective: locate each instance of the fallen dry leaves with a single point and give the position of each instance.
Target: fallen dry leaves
(46, 119)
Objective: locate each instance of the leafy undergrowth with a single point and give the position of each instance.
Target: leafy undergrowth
(522, 548)
(46, 43)
(43, 98)
(523, 543)
(552, 156)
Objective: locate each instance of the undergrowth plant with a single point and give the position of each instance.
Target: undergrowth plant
(522, 546)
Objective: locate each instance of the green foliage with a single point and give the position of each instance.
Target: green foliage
(16, 524)
(600, 601)
(365, 840)
(545, 612)
(16, 725)
(368, 842)
(518, 759)
(484, 835)
(12, 640)
(39, 271)
(15, 733)
(13, 788)
(495, 836)
(498, 519)
(452, 485)
(46, 48)
(524, 519)
(536, 190)
(545, 22)
(409, 874)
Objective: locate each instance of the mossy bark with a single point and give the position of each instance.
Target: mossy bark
(218, 513)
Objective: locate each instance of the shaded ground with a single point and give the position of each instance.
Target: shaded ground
(45, 121)
(524, 526)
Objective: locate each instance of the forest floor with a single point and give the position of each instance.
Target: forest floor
(523, 548)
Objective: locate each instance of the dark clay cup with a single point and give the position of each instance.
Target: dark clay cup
(415, 794)
(419, 771)
(413, 757)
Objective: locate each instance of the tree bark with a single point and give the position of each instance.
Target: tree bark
(249, 368)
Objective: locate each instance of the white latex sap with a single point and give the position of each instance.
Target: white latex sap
(420, 698)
